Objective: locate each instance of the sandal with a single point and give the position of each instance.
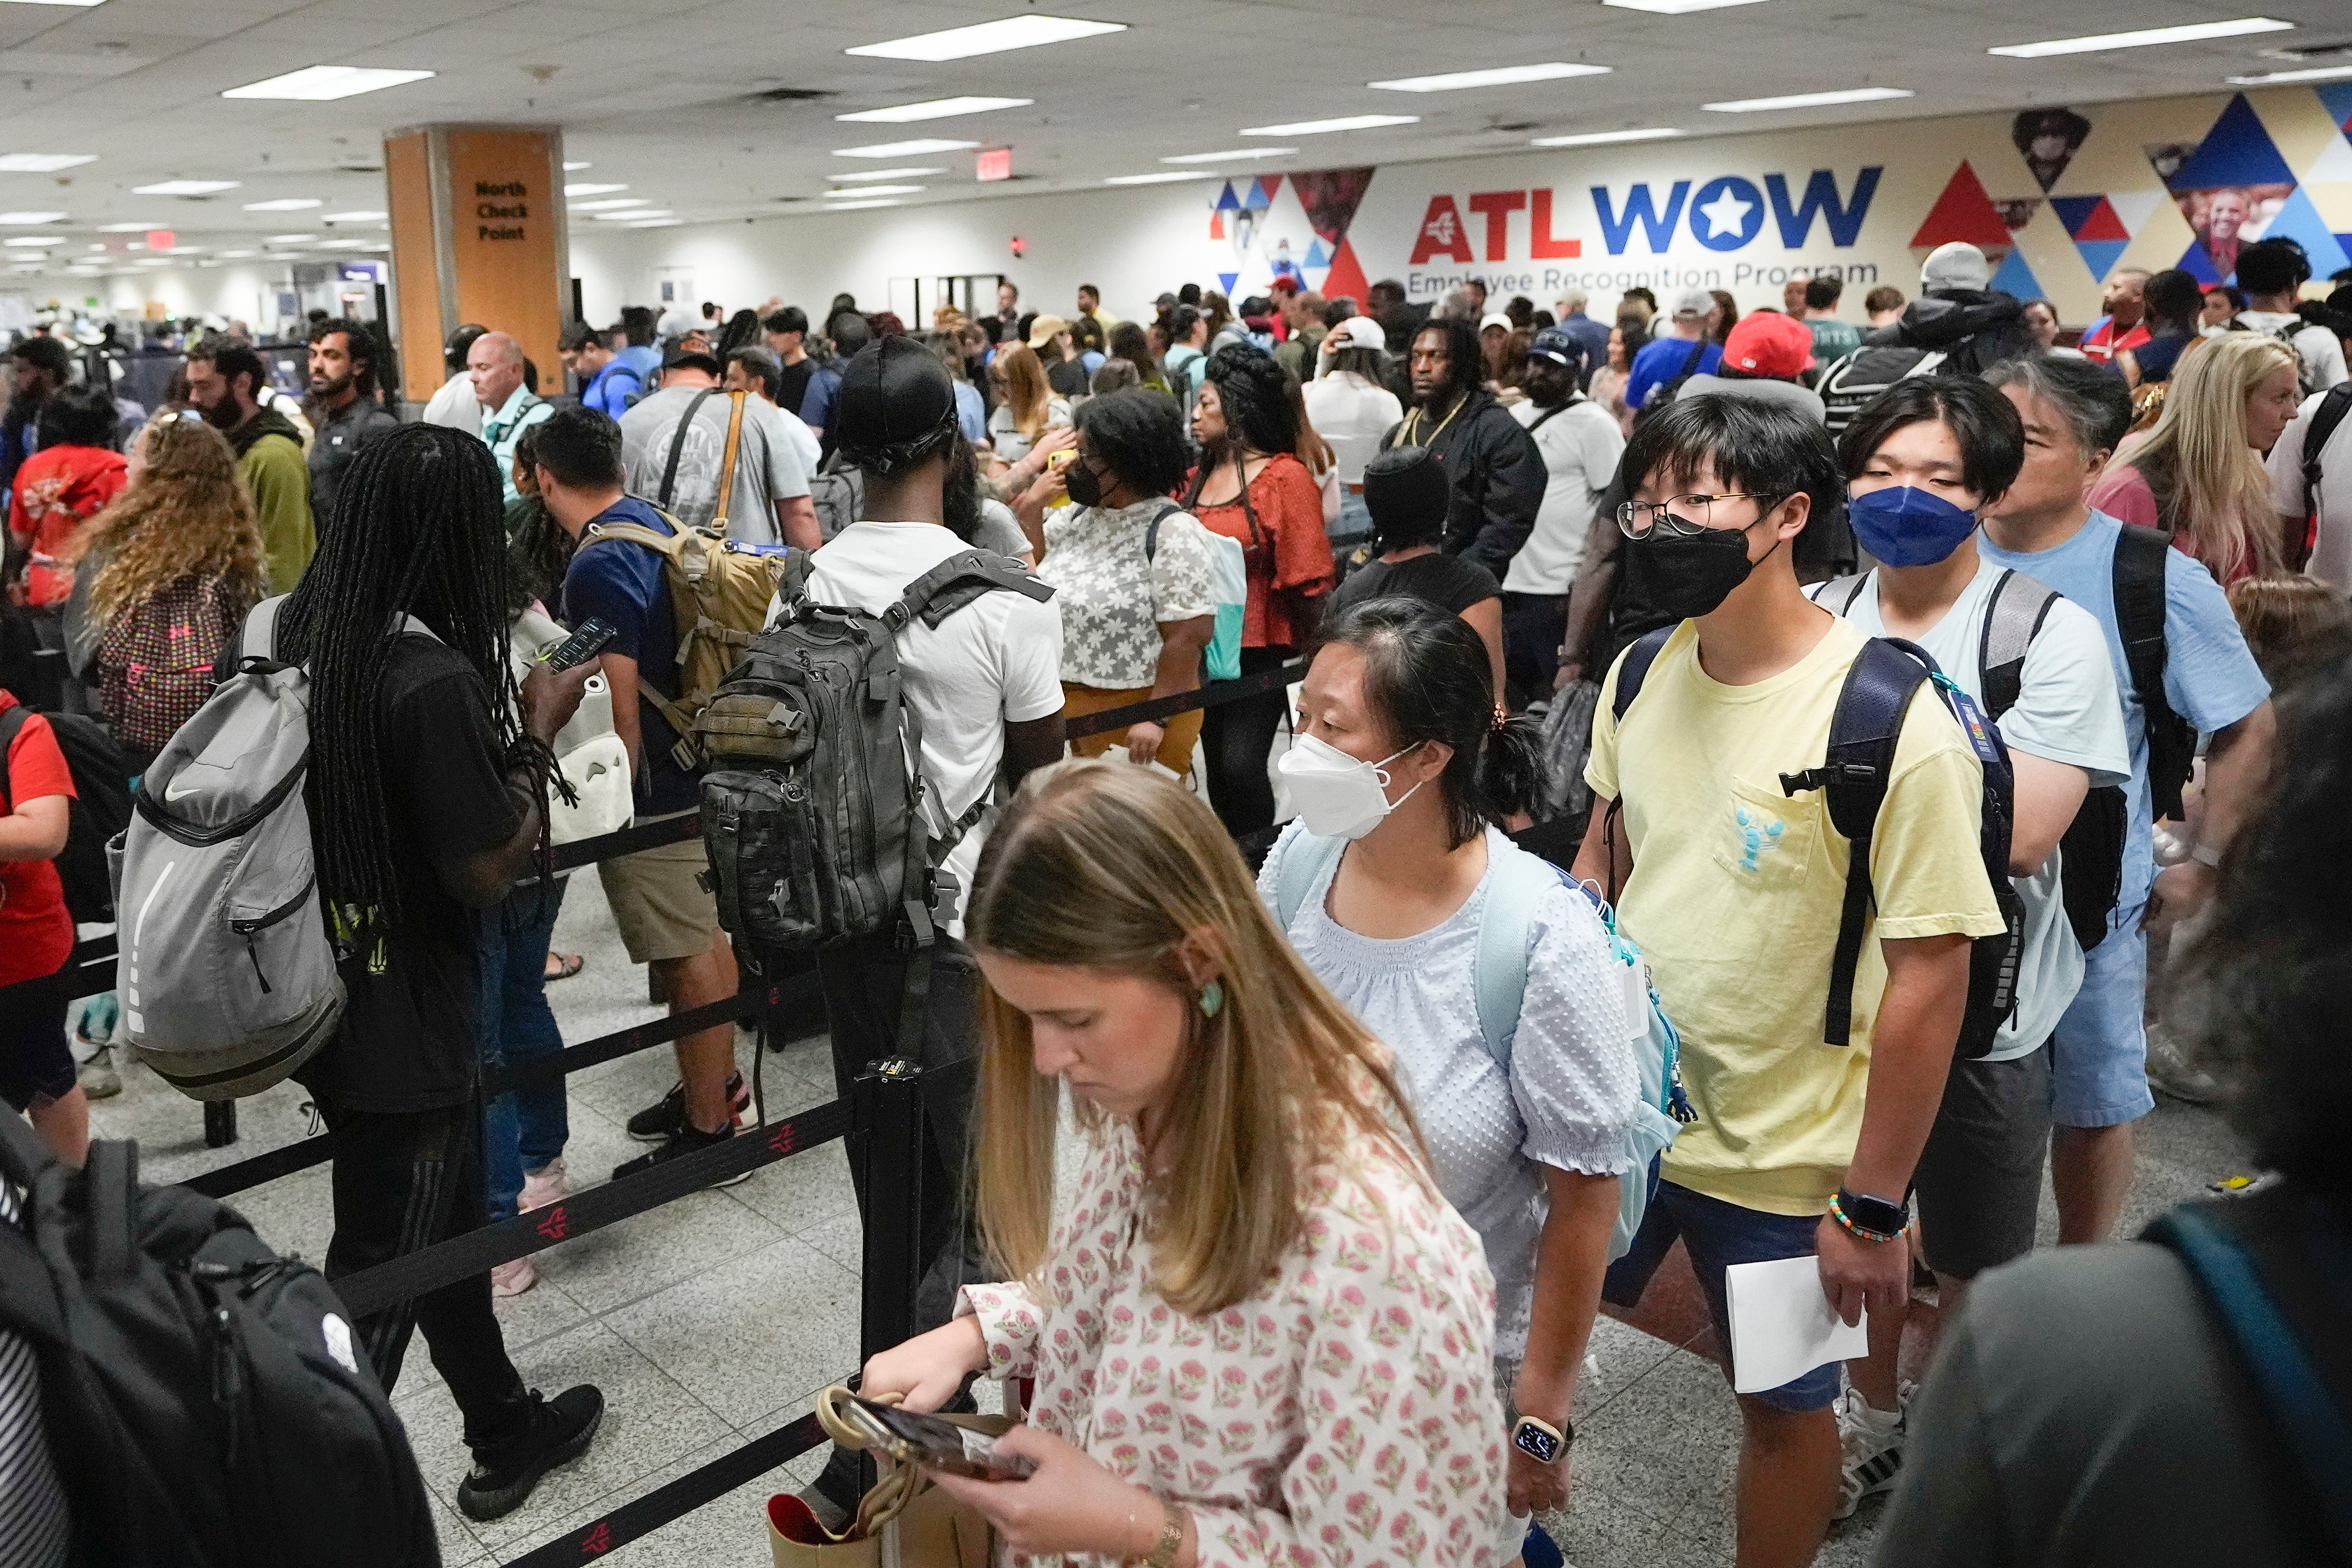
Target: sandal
(564, 966)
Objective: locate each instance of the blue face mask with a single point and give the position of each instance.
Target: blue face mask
(1904, 526)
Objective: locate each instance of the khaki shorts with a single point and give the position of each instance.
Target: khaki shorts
(658, 902)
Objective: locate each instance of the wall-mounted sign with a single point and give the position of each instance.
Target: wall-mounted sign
(993, 163)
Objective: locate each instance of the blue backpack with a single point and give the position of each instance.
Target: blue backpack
(1517, 884)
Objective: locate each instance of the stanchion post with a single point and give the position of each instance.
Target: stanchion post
(890, 1110)
(220, 1124)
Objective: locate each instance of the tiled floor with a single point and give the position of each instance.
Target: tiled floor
(713, 1320)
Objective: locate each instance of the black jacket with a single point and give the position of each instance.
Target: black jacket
(1976, 329)
(338, 440)
(1497, 479)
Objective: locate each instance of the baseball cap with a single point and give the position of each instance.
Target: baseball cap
(1694, 303)
(1358, 333)
(1558, 345)
(1044, 329)
(1765, 343)
(1495, 319)
(894, 405)
(1958, 265)
(680, 356)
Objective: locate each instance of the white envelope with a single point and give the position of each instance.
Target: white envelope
(1781, 1325)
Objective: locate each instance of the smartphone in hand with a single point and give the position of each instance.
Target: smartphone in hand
(585, 643)
(939, 1444)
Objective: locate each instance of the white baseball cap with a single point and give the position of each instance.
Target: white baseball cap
(1495, 318)
(1358, 333)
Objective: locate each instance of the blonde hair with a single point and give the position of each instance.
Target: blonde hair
(1104, 865)
(1026, 389)
(186, 515)
(2208, 484)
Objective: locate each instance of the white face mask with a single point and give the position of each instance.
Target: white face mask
(1337, 795)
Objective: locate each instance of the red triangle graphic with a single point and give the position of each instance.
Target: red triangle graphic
(1963, 213)
(1347, 275)
(1267, 185)
(1216, 225)
(2103, 222)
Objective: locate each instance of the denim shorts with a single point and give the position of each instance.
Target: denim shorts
(1716, 1234)
(2098, 1058)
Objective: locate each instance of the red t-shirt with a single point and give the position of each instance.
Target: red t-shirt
(37, 934)
(1288, 554)
(57, 492)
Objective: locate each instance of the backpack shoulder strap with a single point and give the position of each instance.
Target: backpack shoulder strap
(1304, 860)
(1635, 669)
(956, 581)
(2324, 421)
(2013, 619)
(634, 534)
(1838, 594)
(720, 517)
(2270, 1337)
(1151, 534)
(260, 639)
(1515, 885)
(678, 445)
(1852, 778)
(2141, 559)
(11, 723)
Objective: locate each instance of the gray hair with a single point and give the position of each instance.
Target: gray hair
(2089, 397)
(1458, 303)
(1573, 299)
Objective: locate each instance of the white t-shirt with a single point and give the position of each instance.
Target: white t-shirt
(2068, 711)
(2320, 352)
(768, 466)
(454, 405)
(1352, 414)
(1580, 446)
(997, 662)
(2331, 557)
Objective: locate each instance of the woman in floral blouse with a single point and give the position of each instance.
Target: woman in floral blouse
(1261, 1337)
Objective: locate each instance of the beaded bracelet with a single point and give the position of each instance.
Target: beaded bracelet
(1837, 1211)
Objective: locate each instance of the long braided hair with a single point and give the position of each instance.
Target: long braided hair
(416, 530)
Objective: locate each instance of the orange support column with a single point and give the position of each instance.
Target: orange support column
(477, 235)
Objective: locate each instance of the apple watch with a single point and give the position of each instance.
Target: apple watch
(1871, 1219)
(1541, 1440)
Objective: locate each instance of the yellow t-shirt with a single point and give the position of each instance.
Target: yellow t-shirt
(1736, 894)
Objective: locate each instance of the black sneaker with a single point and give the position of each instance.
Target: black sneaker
(686, 1140)
(666, 1117)
(556, 1430)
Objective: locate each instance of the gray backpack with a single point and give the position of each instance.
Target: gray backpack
(227, 976)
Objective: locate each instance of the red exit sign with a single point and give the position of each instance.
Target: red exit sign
(995, 163)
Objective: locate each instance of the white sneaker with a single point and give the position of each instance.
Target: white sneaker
(1872, 1441)
(513, 1278)
(97, 1075)
(543, 1186)
(2172, 1072)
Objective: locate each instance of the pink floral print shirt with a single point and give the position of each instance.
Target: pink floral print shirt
(1343, 1416)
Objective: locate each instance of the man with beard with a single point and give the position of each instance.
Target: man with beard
(224, 379)
(1492, 467)
(344, 412)
(39, 367)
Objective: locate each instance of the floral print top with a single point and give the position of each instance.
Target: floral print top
(1342, 1415)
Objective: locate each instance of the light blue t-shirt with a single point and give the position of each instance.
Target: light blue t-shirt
(2067, 711)
(2209, 678)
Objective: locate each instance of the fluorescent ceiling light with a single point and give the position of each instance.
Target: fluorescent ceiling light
(2315, 73)
(21, 218)
(129, 228)
(632, 217)
(237, 255)
(921, 147)
(881, 174)
(2140, 38)
(580, 188)
(855, 207)
(1345, 122)
(1603, 138)
(184, 187)
(1675, 7)
(1158, 179)
(1235, 152)
(290, 239)
(658, 223)
(184, 250)
(351, 245)
(31, 239)
(151, 261)
(57, 1)
(284, 205)
(932, 109)
(316, 84)
(1808, 100)
(611, 203)
(576, 164)
(986, 39)
(875, 191)
(354, 217)
(42, 162)
(1500, 76)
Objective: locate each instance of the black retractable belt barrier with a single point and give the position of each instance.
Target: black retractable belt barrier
(1153, 710)
(888, 1145)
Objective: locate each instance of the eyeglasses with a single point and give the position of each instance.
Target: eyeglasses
(1635, 518)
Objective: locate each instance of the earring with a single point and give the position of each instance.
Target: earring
(1213, 998)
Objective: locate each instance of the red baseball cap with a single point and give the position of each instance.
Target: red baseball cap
(1765, 343)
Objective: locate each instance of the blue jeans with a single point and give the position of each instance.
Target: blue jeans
(523, 1129)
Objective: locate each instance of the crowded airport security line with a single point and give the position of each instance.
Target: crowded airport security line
(1312, 795)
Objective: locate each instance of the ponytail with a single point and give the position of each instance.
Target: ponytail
(1511, 769)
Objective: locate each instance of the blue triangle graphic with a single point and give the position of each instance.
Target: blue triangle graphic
(1316, 255)
(2300, 221)
(2236, 152)
(2101, 255)
(2338, 95)
(2016, 278)
(2072, 210)
(2200, 266)
(1257, 199)
(1228, 202)
(1225, 281)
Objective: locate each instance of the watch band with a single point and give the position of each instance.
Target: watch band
(1558, 1438)
(1171, 1537)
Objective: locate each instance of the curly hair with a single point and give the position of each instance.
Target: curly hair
(186, 515)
